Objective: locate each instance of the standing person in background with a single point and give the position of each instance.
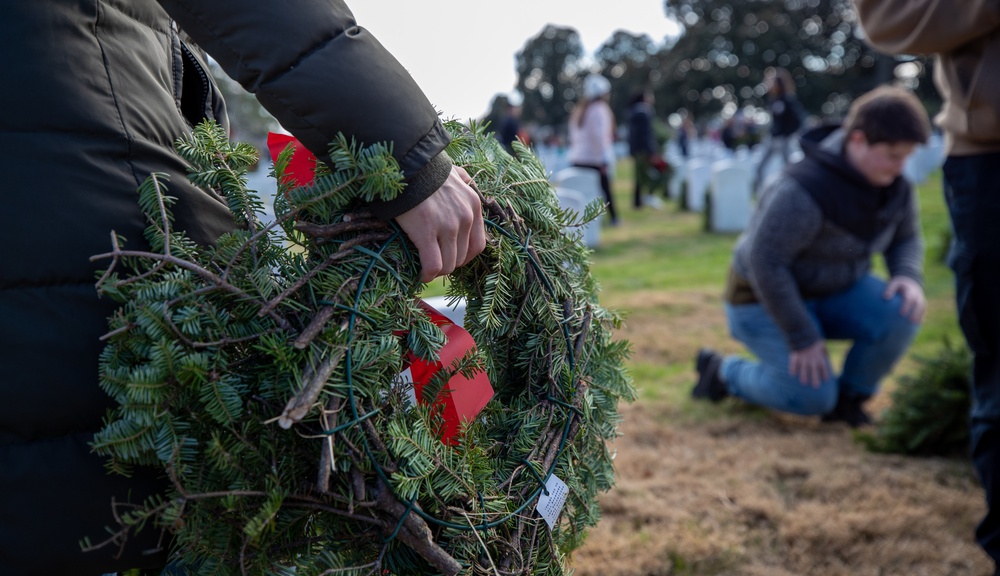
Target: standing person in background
(687, 133)
(786, 119)
(734, 131)
(510, 126)
(642, 147)
(104, 89)
(965, 39)
(592, 135)
(801, 271)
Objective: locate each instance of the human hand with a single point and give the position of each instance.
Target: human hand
(914, 303)
(447, 228)
(810, 365)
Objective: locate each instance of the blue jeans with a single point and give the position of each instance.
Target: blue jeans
(880, 336)
(972, 190)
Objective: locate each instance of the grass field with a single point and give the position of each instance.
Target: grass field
(730, 490)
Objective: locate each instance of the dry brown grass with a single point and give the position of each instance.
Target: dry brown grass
(728, 490)
(777, 495)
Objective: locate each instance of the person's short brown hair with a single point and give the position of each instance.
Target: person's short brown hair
(889, 114)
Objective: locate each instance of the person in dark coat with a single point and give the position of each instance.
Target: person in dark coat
(801, 271)
(786, 119)
(510, 127)
(686, 134)
(95, 94)
(642, 146)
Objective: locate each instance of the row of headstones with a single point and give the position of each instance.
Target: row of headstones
(926, 158)
(718, 182)
(714, 180)
(728, 178)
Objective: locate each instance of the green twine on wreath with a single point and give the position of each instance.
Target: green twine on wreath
(258, 375)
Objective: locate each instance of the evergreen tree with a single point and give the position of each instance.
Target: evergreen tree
(550, 73)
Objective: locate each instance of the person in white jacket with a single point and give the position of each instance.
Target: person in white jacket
(592, 135)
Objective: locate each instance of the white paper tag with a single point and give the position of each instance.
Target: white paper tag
(404, 380)
(551, 504)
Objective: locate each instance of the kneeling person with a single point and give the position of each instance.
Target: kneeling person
(801, 273)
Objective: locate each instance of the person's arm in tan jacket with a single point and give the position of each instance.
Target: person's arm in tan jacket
(926, 26)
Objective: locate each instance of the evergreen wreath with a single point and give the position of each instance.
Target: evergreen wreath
(259, 375)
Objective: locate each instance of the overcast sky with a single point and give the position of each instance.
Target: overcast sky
(461, 52)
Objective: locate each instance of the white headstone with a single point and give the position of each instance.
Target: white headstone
(454, 312)
(677, 177)
(554, 158)
(574, 200)
(584, 180)
(925, 159)
(699, 174)
(732, 184)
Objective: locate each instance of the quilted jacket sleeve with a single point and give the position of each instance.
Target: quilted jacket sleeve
(319, 73)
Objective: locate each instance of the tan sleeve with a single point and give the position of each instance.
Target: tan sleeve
(926, 26)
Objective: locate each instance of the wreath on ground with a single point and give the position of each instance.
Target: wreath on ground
(261, 375)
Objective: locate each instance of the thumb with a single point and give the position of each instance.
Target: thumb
(890, 290)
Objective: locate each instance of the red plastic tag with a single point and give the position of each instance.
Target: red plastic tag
(461, 399)
(302, 166)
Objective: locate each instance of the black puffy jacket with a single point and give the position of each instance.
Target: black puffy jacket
(93, 94)
(786, 115)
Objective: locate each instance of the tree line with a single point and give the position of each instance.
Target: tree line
(717, 63)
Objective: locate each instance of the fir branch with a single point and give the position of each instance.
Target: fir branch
(340, 228)
(217, 282)
(314, 378)
(342, 253)
(414, 532)
(327, 457)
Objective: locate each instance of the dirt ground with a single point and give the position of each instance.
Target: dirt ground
(777, 496)
(749, 492)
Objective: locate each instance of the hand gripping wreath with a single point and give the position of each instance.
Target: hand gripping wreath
(261, 376)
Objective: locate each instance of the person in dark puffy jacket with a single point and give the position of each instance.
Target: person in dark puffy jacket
(786, 119)
(95, 93)
(801, 272)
